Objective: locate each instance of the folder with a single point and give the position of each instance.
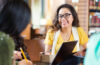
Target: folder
(64, 52)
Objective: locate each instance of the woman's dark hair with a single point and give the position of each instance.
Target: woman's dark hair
(2, 3)
(75, 23)
(14, 18)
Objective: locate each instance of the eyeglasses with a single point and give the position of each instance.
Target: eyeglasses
(66, 15)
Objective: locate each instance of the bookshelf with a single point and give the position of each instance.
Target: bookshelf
(94, 16)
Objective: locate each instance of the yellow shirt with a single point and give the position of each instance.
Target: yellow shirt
(83, 38)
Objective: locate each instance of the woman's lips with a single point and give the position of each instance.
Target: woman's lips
(64, 23)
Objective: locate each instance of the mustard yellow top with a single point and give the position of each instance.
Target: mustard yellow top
(83, 38)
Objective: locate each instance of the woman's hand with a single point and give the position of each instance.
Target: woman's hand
(80, 53)
(23, 62)
(17, 55)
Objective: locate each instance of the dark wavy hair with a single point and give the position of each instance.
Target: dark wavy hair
(14, 18)
(2, 3)
(75, 23)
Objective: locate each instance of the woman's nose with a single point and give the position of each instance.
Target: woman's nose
(63, 19)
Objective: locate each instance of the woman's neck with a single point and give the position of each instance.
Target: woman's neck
(66, 30)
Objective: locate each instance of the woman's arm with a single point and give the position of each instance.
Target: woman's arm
(48, 42)
(83, 41)
(84, 49)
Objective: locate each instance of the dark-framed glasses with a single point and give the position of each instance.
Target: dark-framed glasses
(66, 15)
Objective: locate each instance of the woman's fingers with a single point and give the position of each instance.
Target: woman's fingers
(17, 55)
(24, 62)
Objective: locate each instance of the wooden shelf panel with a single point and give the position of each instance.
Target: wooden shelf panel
(94, 10)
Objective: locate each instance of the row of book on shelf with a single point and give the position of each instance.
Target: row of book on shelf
(94, 19)
(94, 4)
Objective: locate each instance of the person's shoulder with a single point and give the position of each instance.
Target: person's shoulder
(5, 38)
(3, 35)
(95, 35)
(79, 28)
(94, 40)
(51, 31)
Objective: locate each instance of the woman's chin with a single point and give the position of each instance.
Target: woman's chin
(65, 26)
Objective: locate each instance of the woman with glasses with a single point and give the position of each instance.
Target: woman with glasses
(66, 18)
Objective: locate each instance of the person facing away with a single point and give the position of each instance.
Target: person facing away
(66, 18)
(93, 50)
(14, 18)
